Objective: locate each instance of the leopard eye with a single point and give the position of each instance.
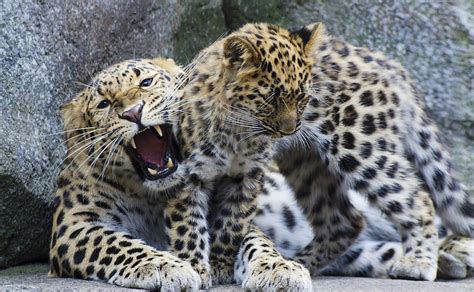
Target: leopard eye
(103, 104)
(146, 82)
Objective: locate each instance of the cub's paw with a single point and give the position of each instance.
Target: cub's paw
(204, 275)
(222, 272)
(273, 274)
(166, 275)
(456, 257)
(412, 268)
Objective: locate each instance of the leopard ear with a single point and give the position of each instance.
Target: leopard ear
(310, 36)
(240, 54)
(168, 64)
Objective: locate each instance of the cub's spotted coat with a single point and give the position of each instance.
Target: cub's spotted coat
(245, 89)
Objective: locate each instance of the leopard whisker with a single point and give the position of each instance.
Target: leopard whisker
(91, 166)
(253, 134)
(240, 111)
(80, 150)
(117, 154)
(79, 136)
(89, 73)
(241, 122)
(301, 136)
(83, 84)
(109, 156)
(67, 131)
(81, 145)
(189, 71)
(236, 119)
(267, 100)
(286, 105)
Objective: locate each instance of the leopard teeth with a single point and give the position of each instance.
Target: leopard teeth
(158, 130)
(152, 171)
(134, 146)
(170, 163)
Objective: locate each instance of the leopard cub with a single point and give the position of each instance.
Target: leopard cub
(242, 93)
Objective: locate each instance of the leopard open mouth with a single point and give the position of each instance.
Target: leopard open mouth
(154, 152)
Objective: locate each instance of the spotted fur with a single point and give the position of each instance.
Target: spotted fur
(365, 130)
(107, 224)
(261, 262)
(373, 254)
(242, 92)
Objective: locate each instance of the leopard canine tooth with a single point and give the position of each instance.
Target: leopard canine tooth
(152, 171)
(158, 130)
(170, 163)
(134, 146)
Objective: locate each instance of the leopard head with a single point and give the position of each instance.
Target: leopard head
(267, 74)
(105, 134)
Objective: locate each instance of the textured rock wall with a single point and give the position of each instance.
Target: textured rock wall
(49, 48)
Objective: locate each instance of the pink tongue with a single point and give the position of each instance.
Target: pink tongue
(150, 148)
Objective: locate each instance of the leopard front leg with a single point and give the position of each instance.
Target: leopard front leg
(259, 266)
(326, 204)
(419, 239)
(97, 252)
(412, 212)
(236, 207)
(336, 224)
(187, 230)
(390, 183)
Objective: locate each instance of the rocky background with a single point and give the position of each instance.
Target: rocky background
(49, 49)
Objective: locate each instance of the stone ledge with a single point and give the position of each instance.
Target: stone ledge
(33, 277)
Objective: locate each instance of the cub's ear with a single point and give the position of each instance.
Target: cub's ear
(310, 36)
(72, 112)
(240, 54)
(168, 64)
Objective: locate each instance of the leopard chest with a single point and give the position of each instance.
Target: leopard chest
(238, 164)
(144, 219)
(246, 158)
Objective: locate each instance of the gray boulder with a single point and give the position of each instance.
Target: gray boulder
(49, 50)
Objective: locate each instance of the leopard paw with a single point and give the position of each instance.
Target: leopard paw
(277, 274)
(173, 275)
(412, 268)
(456, 258)
(222, 273)
(205, 275)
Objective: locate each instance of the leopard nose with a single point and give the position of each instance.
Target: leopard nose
(287, 126)
(134, 114)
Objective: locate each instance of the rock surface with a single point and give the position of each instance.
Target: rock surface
(49, 49)
(33, 277)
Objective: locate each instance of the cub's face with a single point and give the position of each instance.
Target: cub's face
(105, 131)
(268, 74)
